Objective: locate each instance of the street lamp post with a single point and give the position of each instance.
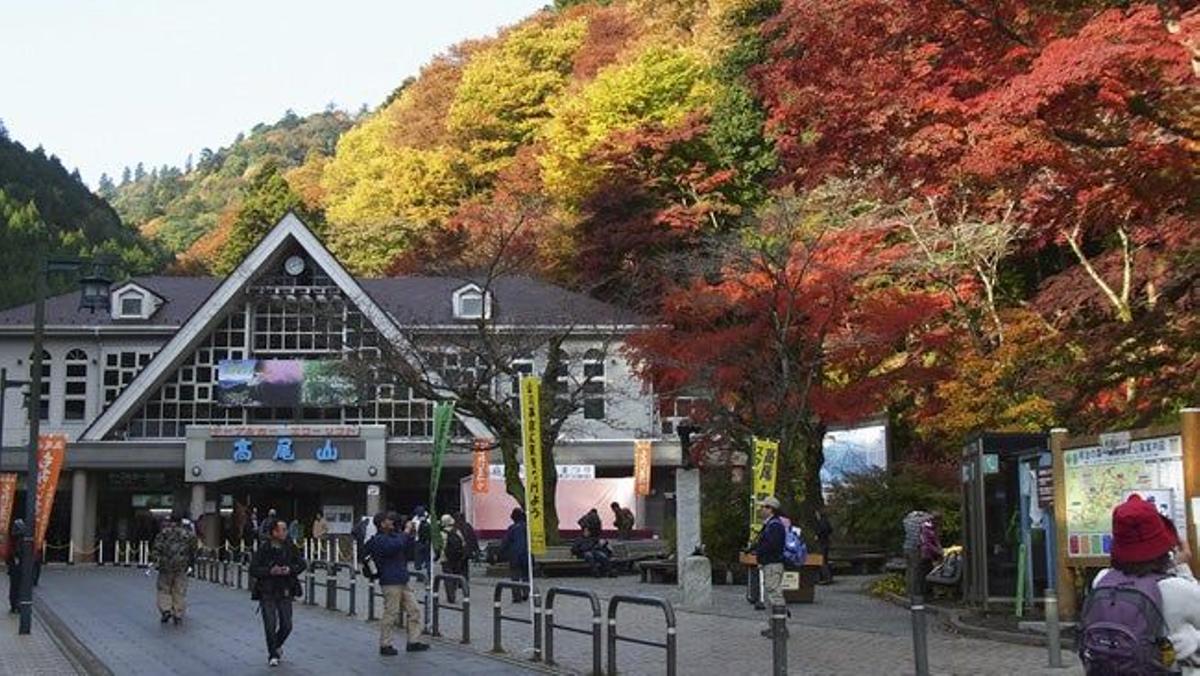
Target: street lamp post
(94, 297)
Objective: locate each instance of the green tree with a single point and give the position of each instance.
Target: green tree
(265, 200)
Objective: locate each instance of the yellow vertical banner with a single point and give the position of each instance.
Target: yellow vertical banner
(641, 466)
(531, 433)
(766, 463)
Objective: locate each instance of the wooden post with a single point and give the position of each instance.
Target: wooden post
(1065, 586)
(1189, 429)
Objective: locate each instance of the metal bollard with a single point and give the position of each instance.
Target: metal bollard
(779, 640)
(920, 639)
(371, 603)
(537, 626)
(353, 593)
(239, 575)
(435, 629)
(312, 589)
(330, 591)
(1053, 638)
(466, 617)
(497, 607)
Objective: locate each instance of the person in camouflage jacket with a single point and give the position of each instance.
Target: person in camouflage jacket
(175, 550)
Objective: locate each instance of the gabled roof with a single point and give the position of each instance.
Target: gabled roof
(181, 296)
(208, 314)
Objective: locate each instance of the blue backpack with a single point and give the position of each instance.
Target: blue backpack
(794, 549)
(1122, 628)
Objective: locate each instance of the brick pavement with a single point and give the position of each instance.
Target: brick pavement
(33, 655)
(112, 612)
(844, 632)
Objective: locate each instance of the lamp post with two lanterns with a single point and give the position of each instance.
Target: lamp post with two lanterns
(94, 285)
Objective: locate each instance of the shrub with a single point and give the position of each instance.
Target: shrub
(868, 508)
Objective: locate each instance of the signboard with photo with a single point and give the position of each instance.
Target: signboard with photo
(284, 383)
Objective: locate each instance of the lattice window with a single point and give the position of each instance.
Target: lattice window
(47, 372)
(593, 385)
(75, 388)
(674, 410)
(120, 368)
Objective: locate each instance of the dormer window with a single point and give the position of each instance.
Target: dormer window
(133, 301)
(132, 304)
(472, 302)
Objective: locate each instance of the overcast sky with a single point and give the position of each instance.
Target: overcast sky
(104, 85)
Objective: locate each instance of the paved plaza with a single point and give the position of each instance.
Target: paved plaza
(111, 612)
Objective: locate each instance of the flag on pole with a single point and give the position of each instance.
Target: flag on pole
(531, 433)
(8, 493)
(52, 448)
(480, 473)
(443, 416)
(766, 460)
(641, 466)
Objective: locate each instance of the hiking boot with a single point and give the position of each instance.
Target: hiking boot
(416, 647)
(388, 650)
(166, 617)
(273, 662)
(178, 619)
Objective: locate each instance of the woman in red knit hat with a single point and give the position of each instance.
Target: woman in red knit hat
(1145, 549)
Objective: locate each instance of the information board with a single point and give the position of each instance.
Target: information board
(1097, 479)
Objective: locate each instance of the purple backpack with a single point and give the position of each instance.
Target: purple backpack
(1122, 631)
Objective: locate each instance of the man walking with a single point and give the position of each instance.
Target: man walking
(390, 550)
(769, 552)
(274, 570)
(454, 555)
(514, 548)
(174, 549)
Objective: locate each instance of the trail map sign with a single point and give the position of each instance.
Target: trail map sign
(1098, 478)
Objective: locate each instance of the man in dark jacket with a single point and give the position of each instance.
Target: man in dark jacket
(13, 560)
(595, 552)
(824, 539)
(454, 555)
(590, 521)
(769, 552)
(623, 520)
(470, 539)
(274, 570)
(391, 550)
(514, 548)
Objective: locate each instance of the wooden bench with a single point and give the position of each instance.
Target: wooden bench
(557, 560)
(857, 559)
(659, 571)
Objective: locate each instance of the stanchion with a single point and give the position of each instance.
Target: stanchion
(101, 560)
(1053, 638)
(70, 552)
(920, 639)
(779, 640)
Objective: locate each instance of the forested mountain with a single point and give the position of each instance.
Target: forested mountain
(965, 215)
(177, 206)
(46, 210)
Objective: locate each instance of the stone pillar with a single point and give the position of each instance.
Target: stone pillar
(375, 499)
(196, 508)
(694, 572)
(79, 491)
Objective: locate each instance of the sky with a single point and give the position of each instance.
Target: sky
(104, 85)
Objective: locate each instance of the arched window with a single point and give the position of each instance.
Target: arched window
(75, 391)
(47, 371)
(593, 385)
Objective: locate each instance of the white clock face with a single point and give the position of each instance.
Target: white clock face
(294, 265)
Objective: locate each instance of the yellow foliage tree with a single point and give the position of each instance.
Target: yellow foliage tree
(503, 97)
(659, 85)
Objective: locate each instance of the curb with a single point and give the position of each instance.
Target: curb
(82, 658)
(953, 617)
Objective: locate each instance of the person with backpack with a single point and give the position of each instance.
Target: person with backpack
(174, 550)
(922, 547)
(623, 521)
(590, 521)
(274, 572)
(12, 559)
(470, 539)
(454, 555)
(390, 550)
(769, 551)
(1143, 613)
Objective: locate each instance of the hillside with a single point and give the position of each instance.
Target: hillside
(44, 209)
(177, 206)
(969, 218)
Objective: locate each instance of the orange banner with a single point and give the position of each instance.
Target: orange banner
(52, 448)
(641, 466)
(479, 470)
(8, 493)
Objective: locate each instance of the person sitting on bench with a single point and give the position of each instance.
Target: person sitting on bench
(595, 551)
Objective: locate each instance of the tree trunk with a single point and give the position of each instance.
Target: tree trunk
(549, 488)
(812, 499)
(510, 450)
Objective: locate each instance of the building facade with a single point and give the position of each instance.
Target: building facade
(263, 390)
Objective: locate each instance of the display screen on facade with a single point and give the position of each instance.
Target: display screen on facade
(853, 451)
(283, 383)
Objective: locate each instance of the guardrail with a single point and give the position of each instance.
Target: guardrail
(594, 632)
(613, 636)
(498, 617)
(374, 592)
(464, 609)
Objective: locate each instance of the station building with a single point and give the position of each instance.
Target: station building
(148, 393)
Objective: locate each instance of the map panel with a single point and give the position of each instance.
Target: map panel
(1098, 479)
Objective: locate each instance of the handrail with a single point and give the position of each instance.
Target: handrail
(498, 616)
(613, 636)
(465, 609)
(595, 631)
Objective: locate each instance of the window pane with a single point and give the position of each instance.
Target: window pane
(593, 409)
(74, 409)
(471, 305)
(131, 305)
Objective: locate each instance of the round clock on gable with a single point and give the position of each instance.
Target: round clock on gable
(294, 265)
